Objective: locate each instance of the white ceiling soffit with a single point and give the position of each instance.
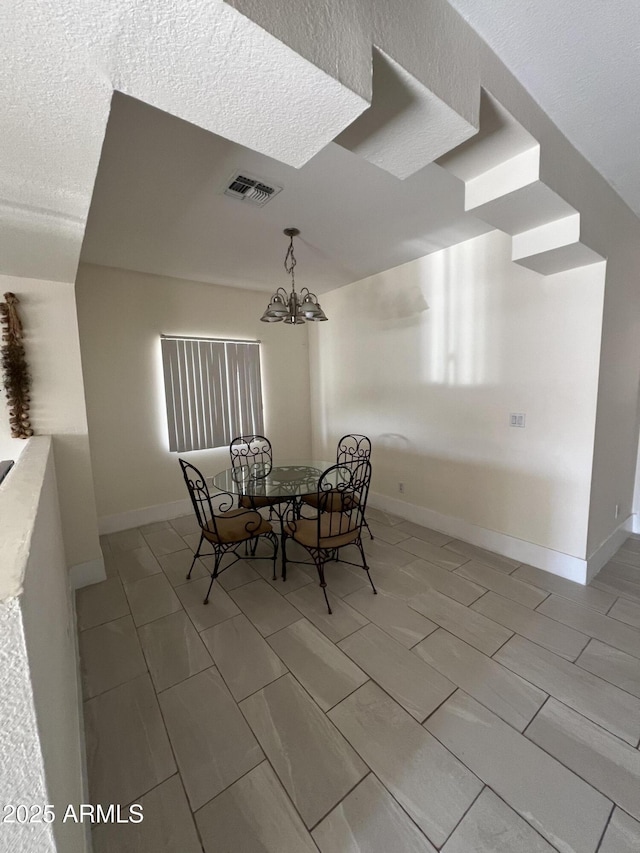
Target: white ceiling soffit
(158, 207)
(580, 60)
(406, 126)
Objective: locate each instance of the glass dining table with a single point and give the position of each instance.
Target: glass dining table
(287, 481)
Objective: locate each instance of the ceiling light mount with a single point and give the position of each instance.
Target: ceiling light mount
(293, 308)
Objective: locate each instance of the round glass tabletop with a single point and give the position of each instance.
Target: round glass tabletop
(281, 481)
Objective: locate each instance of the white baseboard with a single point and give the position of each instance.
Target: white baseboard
(605, 551)
(563, 565)
(146, 515)
(84, 574)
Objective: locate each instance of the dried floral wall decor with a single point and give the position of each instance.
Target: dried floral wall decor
(14, 368)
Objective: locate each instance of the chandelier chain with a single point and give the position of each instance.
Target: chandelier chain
(290, 262)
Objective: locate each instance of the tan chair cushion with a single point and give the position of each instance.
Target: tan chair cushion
(249, 502)
(305, 531)
(236, 525)
(333, 501)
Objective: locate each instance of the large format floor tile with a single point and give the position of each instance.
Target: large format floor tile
(219, 608)
(100, 603)
(173, 649)
(506, 694)
(325, 672)
(474, 628)
(506, 585)
(254, 815)
(125, 540)
(314, 762)
(134, 564)
(533, 625)
(212, 742)
(617, 586)
(337, 625)
(626, 611)
(565, 809)
(410, 681)
(622, 835)
(164, 541)
(128, 751)
(185, 524)
(473, 552)
(614, 666)
(448, 583)
(238, 574)
(424, 533)
(400, 621)
(167, 825)
(596, 699)
(603, 628)
(596, 599)
(490, 826)
(176, 567)
(268, 610)
(388, 534)
(110, 654)
(611, 766)
(369, 820)
(432, 553)
(432, 786)
(151, 598)
(242, 655)
(447, 614)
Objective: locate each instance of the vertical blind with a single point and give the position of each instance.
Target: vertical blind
(213, 391)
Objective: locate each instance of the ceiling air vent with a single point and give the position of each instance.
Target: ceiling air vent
(249, 188)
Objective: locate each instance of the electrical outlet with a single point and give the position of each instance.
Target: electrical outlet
(517, 419)
(401, 488)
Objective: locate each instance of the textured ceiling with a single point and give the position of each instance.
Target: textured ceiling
(580, 60)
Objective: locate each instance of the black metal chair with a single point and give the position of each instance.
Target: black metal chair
(252, 461)
(351, 448)
(222, 526)
(341, 500)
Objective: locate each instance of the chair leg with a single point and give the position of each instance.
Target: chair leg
(195, 556)
(365, 566)
(274, 540)
(320, 567)
(284, 558)
(214, 575)
(366, 524)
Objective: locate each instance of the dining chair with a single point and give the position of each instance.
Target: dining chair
(223, 526)
(252, 460)
(341, 499)
(351, 448)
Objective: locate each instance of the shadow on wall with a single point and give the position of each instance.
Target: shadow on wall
(397, 307)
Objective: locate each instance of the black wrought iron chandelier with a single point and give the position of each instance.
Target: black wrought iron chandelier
(293, 308)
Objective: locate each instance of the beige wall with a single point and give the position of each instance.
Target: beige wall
(121, 317)
(430, 358)
(48, 313)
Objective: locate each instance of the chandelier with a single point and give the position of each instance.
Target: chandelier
(292, 308)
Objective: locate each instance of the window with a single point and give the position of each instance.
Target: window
(213, 391)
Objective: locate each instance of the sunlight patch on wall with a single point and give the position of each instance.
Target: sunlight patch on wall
(455, 338)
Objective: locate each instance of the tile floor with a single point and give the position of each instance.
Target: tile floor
(473, 705)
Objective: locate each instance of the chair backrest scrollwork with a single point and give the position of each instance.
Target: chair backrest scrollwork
(342, 497)
(205, 505)
(251, 457)
(353, 448)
